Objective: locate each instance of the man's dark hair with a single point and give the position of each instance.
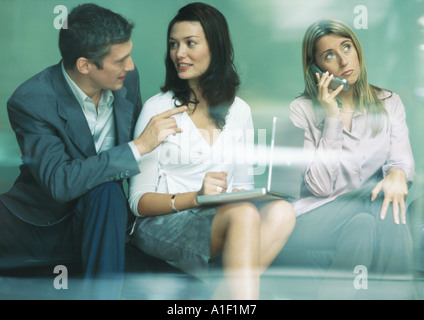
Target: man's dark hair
(220, 82)
(91, 30)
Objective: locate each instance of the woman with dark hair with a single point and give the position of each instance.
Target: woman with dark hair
(216, 129)
(219, 84)
(360, 160)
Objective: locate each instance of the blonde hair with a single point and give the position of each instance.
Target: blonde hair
(365, 94)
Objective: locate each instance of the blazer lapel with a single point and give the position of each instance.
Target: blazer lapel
(123, 117)
(70, 110)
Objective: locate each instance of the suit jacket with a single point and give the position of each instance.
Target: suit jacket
(59, 159)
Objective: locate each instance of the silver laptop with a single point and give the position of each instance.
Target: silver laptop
(285, 164)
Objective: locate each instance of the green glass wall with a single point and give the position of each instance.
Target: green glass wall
(267, 37)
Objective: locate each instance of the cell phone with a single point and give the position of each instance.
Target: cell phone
(335, 83)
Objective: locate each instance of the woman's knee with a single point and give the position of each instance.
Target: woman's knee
(239, 212)
(241, 216)
(238, 220)
(279, 213)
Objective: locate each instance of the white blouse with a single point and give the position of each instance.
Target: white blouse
(180, 163)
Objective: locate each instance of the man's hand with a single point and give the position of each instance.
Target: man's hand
(157, 130)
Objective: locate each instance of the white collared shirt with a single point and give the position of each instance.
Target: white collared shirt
(101, 121)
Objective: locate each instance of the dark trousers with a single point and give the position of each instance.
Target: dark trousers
(94, 234)
(351, 229)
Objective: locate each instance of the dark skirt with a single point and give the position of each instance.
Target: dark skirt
(181, 239)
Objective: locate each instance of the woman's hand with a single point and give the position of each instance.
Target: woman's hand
(214, 183)
(326, 96)
(395, 191)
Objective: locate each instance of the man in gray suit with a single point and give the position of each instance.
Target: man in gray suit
(74, 124)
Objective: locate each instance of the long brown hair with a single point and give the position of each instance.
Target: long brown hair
(220, 82)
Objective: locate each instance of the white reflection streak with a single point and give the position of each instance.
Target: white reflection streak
(289, 156)
(229, 151)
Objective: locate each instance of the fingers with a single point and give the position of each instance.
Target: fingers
(215, 183)
(327, 79)
(324, 80)
(397, 200)
(165, 133)
(403, 211)
(384, 208)
(164, 124)
(327, 96)
(398, 208)
(336, 92)
(158, 129)
(218, 182)
(395, 207)
(172, 112)
(167, 122)
(377, 189)
(324, 83)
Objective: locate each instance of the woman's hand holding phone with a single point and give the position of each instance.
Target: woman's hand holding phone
(327, 96)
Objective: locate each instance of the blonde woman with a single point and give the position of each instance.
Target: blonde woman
(360, 159)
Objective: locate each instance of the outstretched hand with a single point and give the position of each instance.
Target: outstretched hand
(395, 191)
(158, 129)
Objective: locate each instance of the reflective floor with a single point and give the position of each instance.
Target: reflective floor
(276, 284)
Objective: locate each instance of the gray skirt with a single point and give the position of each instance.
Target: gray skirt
(181, 239)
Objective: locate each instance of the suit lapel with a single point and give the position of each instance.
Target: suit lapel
(123, 116)
(69, 109)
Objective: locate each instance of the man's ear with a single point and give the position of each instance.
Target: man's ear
(83, 65)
